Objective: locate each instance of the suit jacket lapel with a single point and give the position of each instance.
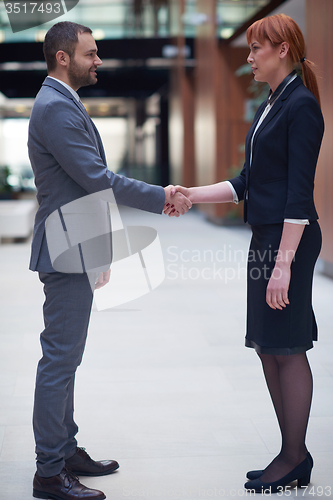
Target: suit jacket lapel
(50, 82)
(251, 130)
(93, 130)
(91, 127)
(273, 112)
(277, 106)
(275, 109)
(99, 142)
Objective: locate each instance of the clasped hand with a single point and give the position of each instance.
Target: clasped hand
(176, 201)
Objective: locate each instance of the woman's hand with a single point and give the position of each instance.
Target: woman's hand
(176, 202)
(181, 189)
(278, 286)
(214, 193)
(170, 209)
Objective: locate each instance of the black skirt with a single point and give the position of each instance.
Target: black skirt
(293, 329)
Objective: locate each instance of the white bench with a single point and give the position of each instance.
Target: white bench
(16, 218)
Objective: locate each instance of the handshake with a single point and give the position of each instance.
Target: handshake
(177, 201)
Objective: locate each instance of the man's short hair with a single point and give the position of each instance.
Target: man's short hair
(62, 36)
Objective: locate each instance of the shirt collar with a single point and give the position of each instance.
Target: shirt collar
(72, 91)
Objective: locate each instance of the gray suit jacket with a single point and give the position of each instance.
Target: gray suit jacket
(68, 161)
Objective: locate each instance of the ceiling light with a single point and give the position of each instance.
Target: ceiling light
(20, 109)
(98, 34)
(227, 32)
(40, 35)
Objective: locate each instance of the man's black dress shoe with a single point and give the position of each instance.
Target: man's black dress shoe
(64, 486)
(82, 465)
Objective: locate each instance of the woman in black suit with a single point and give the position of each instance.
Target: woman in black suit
(276, 183)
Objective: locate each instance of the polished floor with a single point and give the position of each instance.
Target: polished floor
(166, 386)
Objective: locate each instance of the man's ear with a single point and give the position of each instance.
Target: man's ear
(62, 58)
(284, 49)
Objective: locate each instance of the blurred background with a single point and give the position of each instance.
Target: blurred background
(174, 96)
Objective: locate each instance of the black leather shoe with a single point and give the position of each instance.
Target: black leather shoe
(255, 474)
(64, 486)
(301, 473)
(82, 465)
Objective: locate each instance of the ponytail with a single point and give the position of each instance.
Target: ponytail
(309, 78)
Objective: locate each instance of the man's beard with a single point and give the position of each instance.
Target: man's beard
(78, 77)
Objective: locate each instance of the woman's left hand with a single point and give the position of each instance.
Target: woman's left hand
(278, 286)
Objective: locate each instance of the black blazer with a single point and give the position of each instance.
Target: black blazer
(280, 182)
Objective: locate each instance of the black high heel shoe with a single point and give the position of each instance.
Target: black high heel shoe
(301, 473)
(255, 474)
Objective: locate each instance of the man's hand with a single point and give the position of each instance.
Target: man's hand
(175, 202)
(103, 279)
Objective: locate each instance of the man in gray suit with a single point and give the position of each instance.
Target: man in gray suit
(68, 161)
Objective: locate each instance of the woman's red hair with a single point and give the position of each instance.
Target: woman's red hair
(281, 28)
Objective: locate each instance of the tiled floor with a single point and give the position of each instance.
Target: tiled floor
(166, 386)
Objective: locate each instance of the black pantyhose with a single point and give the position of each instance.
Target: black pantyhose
(289, 381)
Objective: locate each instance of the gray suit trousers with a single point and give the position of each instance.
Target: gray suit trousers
(67, 307)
